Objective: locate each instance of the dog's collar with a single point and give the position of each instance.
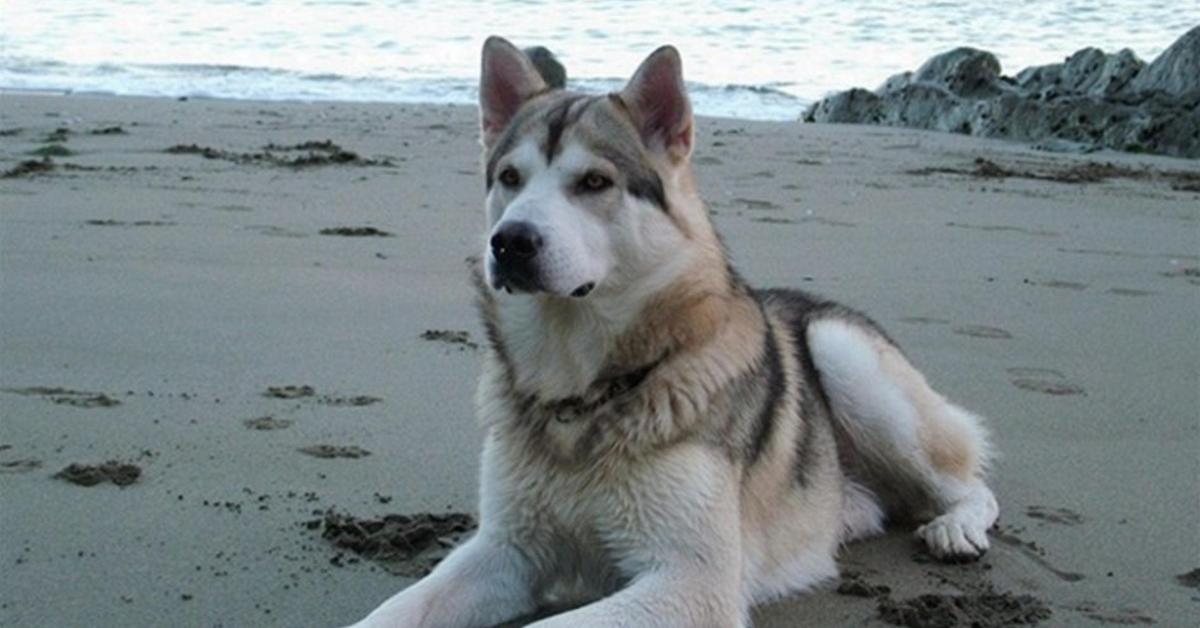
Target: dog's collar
(603, 391)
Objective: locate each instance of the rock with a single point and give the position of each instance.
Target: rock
(1089, 71)
(963, 72)
(895, 82)
(855, 106)
(1092, 72)
(1091, 100)
(548, 66)
(1176, 70)
(927, 106)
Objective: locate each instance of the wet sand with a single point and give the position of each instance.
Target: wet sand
(263, 308)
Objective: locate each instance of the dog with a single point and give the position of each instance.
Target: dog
(666, 446)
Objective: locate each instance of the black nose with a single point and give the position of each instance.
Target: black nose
(516, 242)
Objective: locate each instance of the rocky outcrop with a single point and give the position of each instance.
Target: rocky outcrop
(1091, 100)
(548, 66)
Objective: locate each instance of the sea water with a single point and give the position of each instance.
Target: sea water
(764, 59)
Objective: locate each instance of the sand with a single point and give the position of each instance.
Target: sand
(208, 314)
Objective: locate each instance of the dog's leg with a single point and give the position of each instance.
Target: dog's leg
(928, 453)
(482, 583)
(676, 533)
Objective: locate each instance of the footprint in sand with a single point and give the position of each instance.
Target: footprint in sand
(993, 228)
(1062, 516)
(1046, 381)
(289, 392)
(23, 465)
(1032, 371)
(1120, 616)
(67, 397)
(279, 232)
(1063, 285)
(119, 473)
(754, 203)
(1129, 292)
(924, 320)
(267, 423)
(982, 331)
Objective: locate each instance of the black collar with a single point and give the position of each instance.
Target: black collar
(603, 391)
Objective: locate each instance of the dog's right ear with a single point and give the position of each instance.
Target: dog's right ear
(507, 79)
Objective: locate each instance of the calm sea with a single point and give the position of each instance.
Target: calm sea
(761, 59)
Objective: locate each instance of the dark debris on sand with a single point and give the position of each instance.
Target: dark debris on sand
(65, 396)
(1089, 172)
(355, 401)
(989, 609)
(407, 545)
(52, 150)
(1190, 579)
(309, 393)
(854, 586)
(61, 134)
(450, 336)
(356, 232)
(289, 392)
(29, 168)
(324, 153)
(984, 607)
(267, 423)
(119, 473)
(334, 451)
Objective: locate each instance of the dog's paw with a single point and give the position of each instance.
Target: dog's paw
(951, 539)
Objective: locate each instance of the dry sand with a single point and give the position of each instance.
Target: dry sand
(166, 310)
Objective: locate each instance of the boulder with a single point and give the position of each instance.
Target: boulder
(1175, 71)
(962, 71)
(1091, 100)
(856, 106)
(548, 66)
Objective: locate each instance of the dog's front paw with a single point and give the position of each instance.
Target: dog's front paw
(951, 539)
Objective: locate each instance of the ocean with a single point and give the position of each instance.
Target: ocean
(764, 60)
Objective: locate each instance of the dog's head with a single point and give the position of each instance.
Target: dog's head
(587, 195)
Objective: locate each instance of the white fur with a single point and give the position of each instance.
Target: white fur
(577, 247)
(879, 414)
(631, 251)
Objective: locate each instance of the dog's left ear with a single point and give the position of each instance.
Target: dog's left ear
(507, 79)
(658, 100)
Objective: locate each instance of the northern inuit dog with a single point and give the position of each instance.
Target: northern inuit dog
(667, 446)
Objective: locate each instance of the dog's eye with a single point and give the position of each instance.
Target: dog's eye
(594, 182)
(510, 178)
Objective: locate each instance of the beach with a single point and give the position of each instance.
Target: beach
(260, 313)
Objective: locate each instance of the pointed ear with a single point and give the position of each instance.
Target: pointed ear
(506, 81)
(658, 101)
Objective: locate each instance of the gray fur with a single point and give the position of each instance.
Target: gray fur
(609, 134)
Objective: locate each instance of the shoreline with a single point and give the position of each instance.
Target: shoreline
(770, 112)
(272, 339)
(1094, 155)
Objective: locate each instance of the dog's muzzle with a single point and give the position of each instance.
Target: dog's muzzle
(515, 262)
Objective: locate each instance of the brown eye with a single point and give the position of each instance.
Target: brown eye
(510, 178)
(594, 182)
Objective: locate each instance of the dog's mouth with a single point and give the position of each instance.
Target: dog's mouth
(513, 282)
